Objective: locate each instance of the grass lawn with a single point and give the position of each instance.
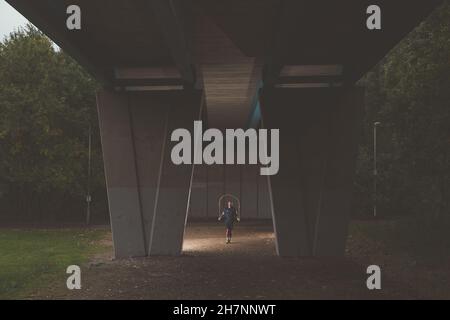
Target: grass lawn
(31, 259)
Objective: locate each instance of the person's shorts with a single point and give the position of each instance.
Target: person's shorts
(229, 225)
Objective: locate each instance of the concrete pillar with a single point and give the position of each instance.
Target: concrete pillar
(337, 186)
(249, 192)
(198, 204)
(148, 195)
(284, 189)
(264, 204)
(216, 187)
(311, 194)
(175, 181)
(148, 131)
(121, 175)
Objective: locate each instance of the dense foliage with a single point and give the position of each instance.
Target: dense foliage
(409, 94)
(46, 105)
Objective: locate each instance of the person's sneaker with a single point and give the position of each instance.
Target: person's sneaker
(228, 240)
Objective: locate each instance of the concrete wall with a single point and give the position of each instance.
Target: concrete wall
(243, 181)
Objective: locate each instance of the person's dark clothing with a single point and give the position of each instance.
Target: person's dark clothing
(229, 215)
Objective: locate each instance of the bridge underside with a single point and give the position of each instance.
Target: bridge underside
(290, 65)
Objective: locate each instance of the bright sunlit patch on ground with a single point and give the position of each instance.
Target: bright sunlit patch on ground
(196, 245)
(205, 240)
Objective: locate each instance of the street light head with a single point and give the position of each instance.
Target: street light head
(376, 123)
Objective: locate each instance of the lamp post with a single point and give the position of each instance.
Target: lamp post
(375, 172)
(88, 196)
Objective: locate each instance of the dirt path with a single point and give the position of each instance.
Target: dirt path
(210, 269)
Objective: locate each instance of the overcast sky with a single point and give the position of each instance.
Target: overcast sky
(10, 19)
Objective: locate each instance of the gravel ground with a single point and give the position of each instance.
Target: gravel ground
(248, 268)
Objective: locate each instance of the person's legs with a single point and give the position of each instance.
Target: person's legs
(228, 235)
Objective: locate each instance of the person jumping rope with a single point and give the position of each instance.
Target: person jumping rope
(230, 215)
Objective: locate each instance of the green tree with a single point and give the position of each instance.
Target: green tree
(408, 92)
(46, 105)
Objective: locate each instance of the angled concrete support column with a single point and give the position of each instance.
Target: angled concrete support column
(148, 195)
(119, 159)
(311, 193)
(337, 185)
(175, 181)
(216, 188)
(198, 207)
(249, 191)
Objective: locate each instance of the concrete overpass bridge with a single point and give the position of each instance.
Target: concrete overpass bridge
(292, 64)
